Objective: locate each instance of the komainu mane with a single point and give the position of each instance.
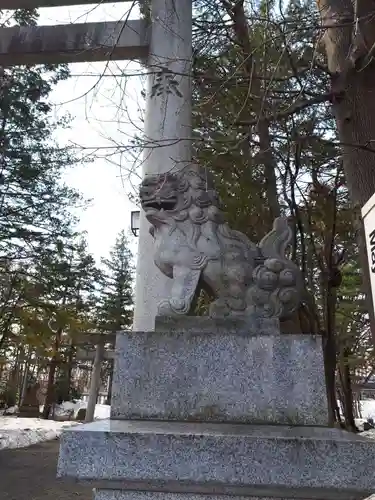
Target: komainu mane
(196, 248)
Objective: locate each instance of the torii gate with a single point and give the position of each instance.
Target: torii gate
(166, 46)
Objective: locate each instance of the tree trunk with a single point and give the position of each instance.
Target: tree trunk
(50, 393)
(329, 357)
(2, 367)
(25, 380)
(110, 382)
(72, 351)
(95, 381)
(349, 42)
(330, 350)
(358, 405)
(14, 375)
(347, 392)
(269, 169)
(20, 375)
(50, 396)
(69, 368)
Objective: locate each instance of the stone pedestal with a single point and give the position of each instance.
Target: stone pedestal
(243, 373)
(206, 410)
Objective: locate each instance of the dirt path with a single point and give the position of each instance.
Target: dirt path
(30, 474)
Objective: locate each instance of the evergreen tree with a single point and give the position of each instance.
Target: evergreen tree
(34, 203)
(51, 308)
(64, 278)
(115, 310)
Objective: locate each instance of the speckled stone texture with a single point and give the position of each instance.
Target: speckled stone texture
(104, 494)
(216, 457)
(246, 325)
(228, 375)
(101, 494)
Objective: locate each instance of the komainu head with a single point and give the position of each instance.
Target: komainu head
(178, 196)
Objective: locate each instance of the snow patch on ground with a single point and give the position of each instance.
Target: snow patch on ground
(72, 408)
(21, 432)
(18, 432)
(369, 434)
(368, 408)
(360, 422)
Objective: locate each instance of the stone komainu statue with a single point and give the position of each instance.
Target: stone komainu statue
(196, 248)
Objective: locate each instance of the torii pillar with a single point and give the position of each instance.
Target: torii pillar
(167, 133)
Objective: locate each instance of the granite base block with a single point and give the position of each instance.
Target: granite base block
(105, 494)
(212, 458)
(224, 377)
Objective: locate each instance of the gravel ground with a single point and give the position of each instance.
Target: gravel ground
(30, 474)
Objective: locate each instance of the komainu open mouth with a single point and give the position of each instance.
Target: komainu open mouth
(169, 204)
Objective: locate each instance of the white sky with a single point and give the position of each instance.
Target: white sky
(106, 113)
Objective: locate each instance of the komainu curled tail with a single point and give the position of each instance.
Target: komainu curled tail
(277, 281)
(276, 242)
